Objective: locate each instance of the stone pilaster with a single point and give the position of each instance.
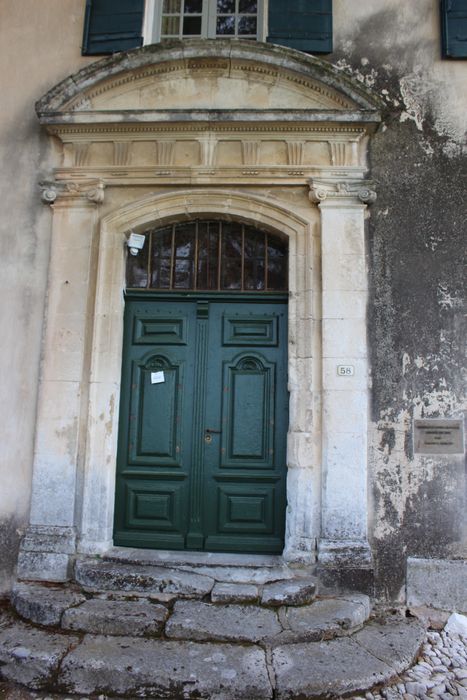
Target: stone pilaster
(51, 537)
(344, 534)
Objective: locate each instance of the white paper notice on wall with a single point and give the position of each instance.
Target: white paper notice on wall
(157, 378)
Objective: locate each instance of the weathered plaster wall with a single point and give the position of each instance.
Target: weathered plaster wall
(416, 251)
(40, 45)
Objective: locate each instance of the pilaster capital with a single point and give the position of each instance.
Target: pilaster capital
(96, 193)
(73, 192)
(335, 190)
(49, 192)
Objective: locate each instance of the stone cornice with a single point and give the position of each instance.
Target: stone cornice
(216, 119)
(166, 174)
(334, 190)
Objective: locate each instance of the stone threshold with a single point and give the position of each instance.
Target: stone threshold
(159, 557)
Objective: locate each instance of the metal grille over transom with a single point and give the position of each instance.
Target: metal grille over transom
(210, 256)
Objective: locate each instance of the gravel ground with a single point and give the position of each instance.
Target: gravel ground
(441, 672)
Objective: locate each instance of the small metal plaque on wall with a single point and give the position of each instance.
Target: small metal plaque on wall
(439, 436)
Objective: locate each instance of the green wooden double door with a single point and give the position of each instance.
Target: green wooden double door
(203, 423)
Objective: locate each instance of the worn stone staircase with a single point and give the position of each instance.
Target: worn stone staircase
(229, 629)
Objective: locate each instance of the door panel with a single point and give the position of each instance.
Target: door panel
(248, 407)
(203, 425)
(155, 428)
(155, 441)
(245, 464)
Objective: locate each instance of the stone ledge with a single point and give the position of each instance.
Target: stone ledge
(43, 605)
(147, 668)
(31, 656)
(145, 579)
(136, 619)
(138, 614)
(438, 583)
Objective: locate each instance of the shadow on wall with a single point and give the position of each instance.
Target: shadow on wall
(11, 533)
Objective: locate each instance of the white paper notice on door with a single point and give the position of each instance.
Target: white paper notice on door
(157, 377)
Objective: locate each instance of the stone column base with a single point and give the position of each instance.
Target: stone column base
(345, 553)
(300, 551)
(346, 565)
(46, 553)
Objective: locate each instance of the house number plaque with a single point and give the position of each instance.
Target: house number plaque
(345, 370)
(437, 437)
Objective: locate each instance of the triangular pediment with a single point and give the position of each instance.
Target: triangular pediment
(206, 75)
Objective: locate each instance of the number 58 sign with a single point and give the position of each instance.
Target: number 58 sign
(345, 370)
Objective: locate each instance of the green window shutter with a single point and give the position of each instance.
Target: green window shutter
(112, 25)
(454, 28)
(305, 25)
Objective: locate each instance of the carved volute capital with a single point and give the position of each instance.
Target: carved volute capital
(96, 194)
(329, 190)
(72, 192)
(367, 195)
(49, 193)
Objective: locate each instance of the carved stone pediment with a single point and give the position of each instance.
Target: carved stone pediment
(194, 111)
(207, 75)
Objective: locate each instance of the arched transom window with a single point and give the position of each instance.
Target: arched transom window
(210, 256)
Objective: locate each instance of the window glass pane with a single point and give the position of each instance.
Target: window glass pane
(225, 25)
(247, 25)
(137, 268)
(183, 274)
(254, 243)
(185, 240)
(208, 255)
(161, 258)
(248, 6)
(191, 26)
(184, 256)
(231, 277)
(172, 6)
(254, 264)
(170, 25)
(254, 275)
(277, 264)
(225, 7)
(193, 7)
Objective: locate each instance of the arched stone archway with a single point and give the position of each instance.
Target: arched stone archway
(233, 130)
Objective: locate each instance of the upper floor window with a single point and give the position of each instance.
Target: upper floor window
(119, 25)
(454, 28)
(179, 19)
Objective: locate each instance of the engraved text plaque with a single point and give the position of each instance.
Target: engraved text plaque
(439, 436)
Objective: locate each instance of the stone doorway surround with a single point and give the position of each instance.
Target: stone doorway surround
(229, 130)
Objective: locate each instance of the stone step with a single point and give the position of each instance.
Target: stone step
(194, 620)
(162, 583)
(272, 586)
(324, 619)
(134, 667)
(228, 568)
